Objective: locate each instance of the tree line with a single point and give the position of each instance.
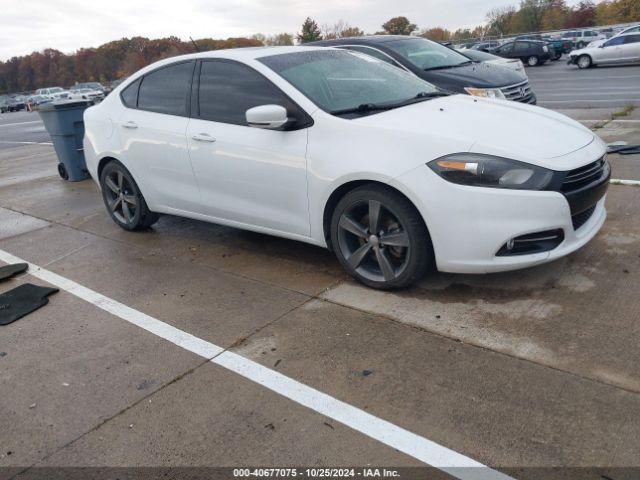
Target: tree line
(121, 58)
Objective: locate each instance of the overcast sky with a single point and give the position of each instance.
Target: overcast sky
(28, 25)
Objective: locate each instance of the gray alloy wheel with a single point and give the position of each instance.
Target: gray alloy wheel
(123, 198)
(532, 61)
(584, 61)
(380, 238)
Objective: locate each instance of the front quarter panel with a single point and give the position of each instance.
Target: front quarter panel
(340, 151)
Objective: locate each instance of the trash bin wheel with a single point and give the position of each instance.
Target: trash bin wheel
(123, 198)
(62, 171)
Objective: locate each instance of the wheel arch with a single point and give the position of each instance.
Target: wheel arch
(341, 190)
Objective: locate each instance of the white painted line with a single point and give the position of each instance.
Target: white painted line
(580, 100)
(632, 183)
(26, 143)
(418, 447)
(19, 123)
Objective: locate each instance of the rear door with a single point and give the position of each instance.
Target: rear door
(252, 176)
(631, 48)
(152, 131)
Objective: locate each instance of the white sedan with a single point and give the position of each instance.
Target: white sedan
(341, 150)
(619, 50)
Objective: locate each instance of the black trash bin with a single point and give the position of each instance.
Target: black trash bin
(64, 123)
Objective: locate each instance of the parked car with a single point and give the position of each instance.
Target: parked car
(441, 66)
(96, 86)
(86, 94)
(4, 104)
(480, 56)
(484, 46)
(341, 150)
(54, 93)
(560, 46)
(16, 103)
(532, 52)
(37, 100)
(581, 38)
(623, 49)
(632, 29)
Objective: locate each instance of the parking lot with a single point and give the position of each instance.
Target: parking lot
(200, 345)
(561, 86)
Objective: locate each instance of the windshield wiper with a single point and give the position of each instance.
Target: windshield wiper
(363, 108)
(442, 67)
(380, 107)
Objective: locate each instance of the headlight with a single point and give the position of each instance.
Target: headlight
(479, 170)
(485, 92)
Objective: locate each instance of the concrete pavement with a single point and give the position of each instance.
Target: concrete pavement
(519, 371)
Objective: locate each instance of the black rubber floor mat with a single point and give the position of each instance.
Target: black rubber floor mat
(22, 300)
(9, 271)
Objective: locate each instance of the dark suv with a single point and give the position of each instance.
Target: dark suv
(531, 52)
(440, 66)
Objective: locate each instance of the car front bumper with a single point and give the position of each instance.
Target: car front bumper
(470, 225)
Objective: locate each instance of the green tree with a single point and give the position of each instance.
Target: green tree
(399, 26)
(279, 39)
(310, 32)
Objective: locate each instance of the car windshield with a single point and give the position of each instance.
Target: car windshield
(56, 90)
(427, 55)
(340, 80)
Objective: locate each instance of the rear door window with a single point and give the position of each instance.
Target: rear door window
(129, 95)
(167, 90)
(631, 39)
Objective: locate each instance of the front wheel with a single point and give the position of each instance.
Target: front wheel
(123, 199)
(584, 61)
(380, 238)
(533, 61)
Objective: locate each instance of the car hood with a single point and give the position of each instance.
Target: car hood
(496, 127)
(481, 74)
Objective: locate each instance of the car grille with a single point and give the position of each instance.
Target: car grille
(520, 92)
(583, 176)
(581, 218)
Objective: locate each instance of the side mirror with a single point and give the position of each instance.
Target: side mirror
(271, 117)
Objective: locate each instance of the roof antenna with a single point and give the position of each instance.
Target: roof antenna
(195, 45)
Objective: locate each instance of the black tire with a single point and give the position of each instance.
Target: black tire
(123, 199)
(581, 45)
(533, 61)
(369, 258)
(62, 171)
(557, 57)
(584, 61)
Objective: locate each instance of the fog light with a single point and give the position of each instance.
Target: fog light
(538, 242)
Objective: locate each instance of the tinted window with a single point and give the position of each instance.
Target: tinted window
(521, 46)
(506, 48)
(130, 95)
(166, 90)
(229, 89)
(615, 41)
(631, 39)
(374, 53)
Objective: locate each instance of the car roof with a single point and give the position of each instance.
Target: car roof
(241, 54)
(371, 39)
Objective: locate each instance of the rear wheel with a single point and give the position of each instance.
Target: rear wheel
(380, 238)
(581, 45)
(123, 199)
(533, 61)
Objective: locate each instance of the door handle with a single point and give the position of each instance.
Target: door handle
(130, 124)
(203, 137)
